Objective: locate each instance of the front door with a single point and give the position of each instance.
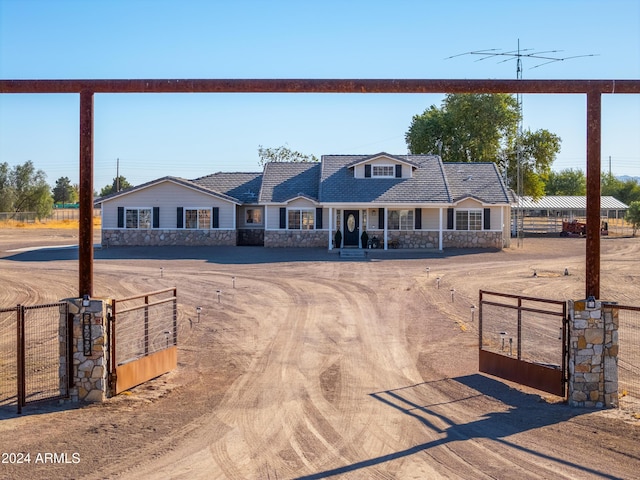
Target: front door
(351, 230)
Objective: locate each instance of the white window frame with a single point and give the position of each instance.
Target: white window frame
(406, 219)
(477, 220)
(303, 213)
(391, 167)
(199, 211)
(127, 210)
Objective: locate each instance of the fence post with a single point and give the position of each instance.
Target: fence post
(89, 349)
(593, 354)
(21, 387)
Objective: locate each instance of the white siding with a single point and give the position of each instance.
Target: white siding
(168, 196)
(430, 218)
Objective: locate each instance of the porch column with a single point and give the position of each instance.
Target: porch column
(330, 227)
(440, 231)
(386, 224)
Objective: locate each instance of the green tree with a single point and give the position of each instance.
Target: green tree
(282, 154)
(7, 192)
(64, 192)
(25, 189)
(484, 128)
(626, 191)
(119, 183)
(566, 182)
(633, 216)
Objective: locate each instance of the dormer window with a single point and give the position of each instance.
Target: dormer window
(382, 171)
(385, 171)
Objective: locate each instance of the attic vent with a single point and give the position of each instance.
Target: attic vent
(469, 177)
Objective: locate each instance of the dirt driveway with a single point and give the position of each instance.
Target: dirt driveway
(313, 367)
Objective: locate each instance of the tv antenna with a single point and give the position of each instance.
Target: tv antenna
(544, 57)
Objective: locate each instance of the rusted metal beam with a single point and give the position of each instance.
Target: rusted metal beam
(592, 260)
(85, 250)
(87, 88)
(319, 86)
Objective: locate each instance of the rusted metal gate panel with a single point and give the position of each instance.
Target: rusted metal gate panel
(524, 340)
(35, 353)
(143, 338)
(629, 351)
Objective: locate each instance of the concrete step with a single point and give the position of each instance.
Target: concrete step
(352, 253)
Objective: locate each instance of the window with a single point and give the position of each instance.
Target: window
(138, 218)
(383, 171)
(400, 220)
(301, 219)
(197, 218)
(253, 215)
(468, 219)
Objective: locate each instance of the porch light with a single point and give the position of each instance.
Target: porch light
(591, 302)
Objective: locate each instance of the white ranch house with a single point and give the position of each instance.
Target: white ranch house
(404, 201)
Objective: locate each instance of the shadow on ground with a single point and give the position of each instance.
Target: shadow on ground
(232, 255)
(523, 412)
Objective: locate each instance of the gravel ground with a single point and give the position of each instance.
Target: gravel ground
(315, 367)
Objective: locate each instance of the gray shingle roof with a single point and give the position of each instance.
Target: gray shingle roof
(427, 185)
(283, 181)
(477, 180)
(243, 186)
(177, 180)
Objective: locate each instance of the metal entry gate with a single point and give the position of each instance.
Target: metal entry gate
(524, 340)
(143, 338)
(35, 353)
(629, 352)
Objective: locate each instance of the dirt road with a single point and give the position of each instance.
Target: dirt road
(312, 368)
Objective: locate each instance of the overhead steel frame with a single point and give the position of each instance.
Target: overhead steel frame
(87, 88)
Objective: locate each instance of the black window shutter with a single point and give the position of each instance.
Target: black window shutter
(319, 218)
(120, 217)
(180, 222)
(418, 219)
(156, 217)
(215, 217)
(381, 218)
(398, 171)
(367, 171)
(449, 218)
(283, 217)
(487, 219)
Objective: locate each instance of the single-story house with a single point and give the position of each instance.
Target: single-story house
(400, 201)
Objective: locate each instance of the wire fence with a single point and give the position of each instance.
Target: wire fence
(8, 356)
(57, 215)
(629, 351)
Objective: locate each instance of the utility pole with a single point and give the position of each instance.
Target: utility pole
(547, 56)
(117, 175)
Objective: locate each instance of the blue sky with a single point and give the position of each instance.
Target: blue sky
(192, 135)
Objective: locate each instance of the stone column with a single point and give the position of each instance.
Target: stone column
(90, 350)
(593, 355)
